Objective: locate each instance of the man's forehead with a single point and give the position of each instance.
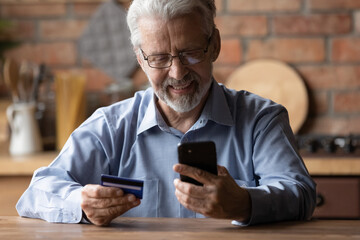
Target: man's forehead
(155, 28)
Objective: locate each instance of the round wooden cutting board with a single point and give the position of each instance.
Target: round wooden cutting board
(277, 81)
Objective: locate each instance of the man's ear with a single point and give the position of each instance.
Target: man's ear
(216, 44)
(139, 57)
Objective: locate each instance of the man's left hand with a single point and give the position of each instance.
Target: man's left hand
(219, 197)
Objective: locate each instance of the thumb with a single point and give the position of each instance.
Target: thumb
(222, 171)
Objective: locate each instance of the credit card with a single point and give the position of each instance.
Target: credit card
(128, 185)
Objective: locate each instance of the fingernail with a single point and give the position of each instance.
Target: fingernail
(177, 167)
(131, 198)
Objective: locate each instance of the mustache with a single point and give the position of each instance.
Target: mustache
(186, 79)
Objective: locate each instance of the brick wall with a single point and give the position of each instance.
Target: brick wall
(320, 39)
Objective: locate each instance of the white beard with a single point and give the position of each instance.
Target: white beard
(186, 102)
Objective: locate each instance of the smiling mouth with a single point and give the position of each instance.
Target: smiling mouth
(181, 87)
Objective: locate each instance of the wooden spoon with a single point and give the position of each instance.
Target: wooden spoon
(11, 78)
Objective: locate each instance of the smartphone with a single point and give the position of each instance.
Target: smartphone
(200, 155)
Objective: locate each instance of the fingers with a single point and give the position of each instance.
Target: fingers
(109, 202)
(191, 189)
(195, 198)
(201, 176)
(102, 204)
(97, 191)
(219, 197)
(103, 216)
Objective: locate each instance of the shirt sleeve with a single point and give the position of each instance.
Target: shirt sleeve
(284, 189)
(54, 193)
(54, 199)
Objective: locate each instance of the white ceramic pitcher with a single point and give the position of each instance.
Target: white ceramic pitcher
(25, 134)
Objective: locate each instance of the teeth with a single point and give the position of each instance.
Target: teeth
(181, 87)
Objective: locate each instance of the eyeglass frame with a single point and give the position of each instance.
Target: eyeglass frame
(146, 57)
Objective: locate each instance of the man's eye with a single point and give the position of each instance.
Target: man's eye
(159, 58)
(193, 54)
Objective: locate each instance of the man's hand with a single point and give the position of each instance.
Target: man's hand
(103, 204)
(219, 197)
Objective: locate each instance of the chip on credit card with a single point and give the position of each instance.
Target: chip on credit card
(128, 185)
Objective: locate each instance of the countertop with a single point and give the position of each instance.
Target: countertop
(26, 165)
(178, 228)
(316, 165)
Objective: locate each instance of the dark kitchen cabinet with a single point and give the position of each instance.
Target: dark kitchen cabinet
(338, 197)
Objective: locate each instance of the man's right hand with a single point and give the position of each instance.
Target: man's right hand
(102, 204)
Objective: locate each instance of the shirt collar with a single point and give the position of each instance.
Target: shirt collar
(149, 119)
(216, 109)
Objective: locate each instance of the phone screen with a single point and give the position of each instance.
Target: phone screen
(200, 155)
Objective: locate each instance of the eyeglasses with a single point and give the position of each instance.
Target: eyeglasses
(186, 57)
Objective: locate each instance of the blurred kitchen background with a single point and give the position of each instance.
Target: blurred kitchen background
(318, 39)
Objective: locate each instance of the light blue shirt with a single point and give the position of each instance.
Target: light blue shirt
(131, 139)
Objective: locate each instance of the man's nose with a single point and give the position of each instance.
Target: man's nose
(177, 69)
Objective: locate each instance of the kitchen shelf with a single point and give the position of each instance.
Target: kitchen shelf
(333, 166)
(25, 165)
(323, 166)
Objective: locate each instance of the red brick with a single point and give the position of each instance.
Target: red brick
(347, 77)
(54, 54)
(242, 25)
(288, 49)
(346, 49)
(139, 79)
(354, 126)
(333, 4)
(264, 5)
(96, 79)
(85, 9)
(318, 103)
(88, 8)
(222, 73)
(347, 102)
(33, 10)
(231, 52)
(19, 30)
(313, 24)
(331, 77)
(62, 29)
(318, 77)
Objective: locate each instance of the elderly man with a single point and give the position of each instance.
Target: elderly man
(261, 177)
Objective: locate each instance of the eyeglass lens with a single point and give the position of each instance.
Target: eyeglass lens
(186, 58)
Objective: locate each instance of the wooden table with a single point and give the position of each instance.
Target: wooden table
(177, 228)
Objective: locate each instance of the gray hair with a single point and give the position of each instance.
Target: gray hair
(167, 10)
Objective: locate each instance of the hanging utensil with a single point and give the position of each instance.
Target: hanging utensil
(38, 78)
(11, 78)
(26, 81)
